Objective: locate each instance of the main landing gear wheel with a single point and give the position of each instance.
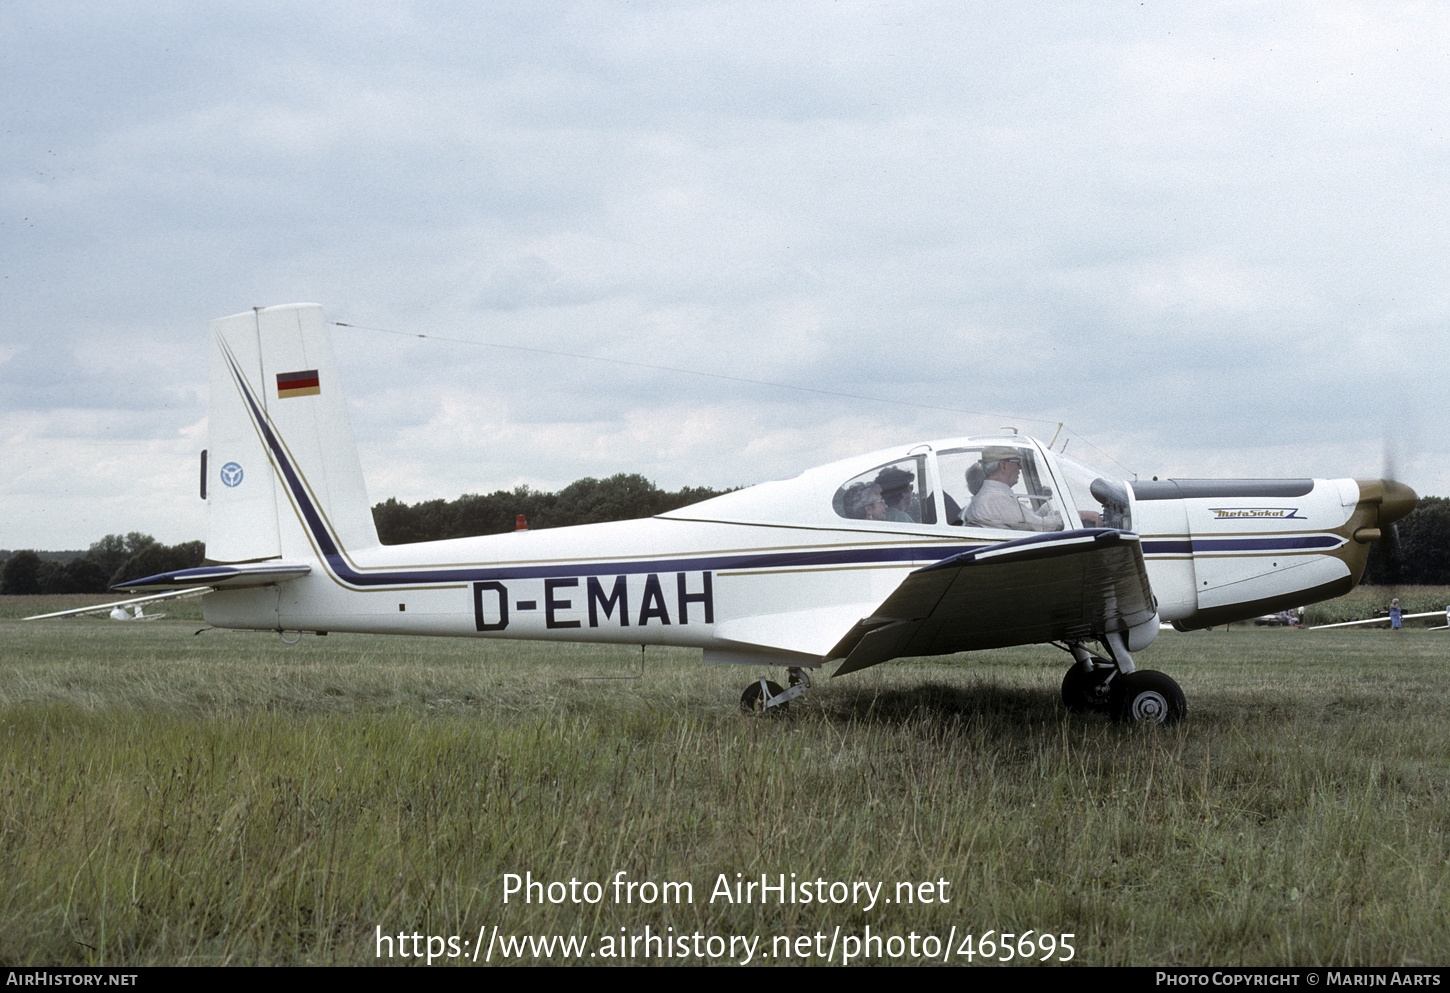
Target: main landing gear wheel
(1148, 697)
(752, 701)
(1087, 692)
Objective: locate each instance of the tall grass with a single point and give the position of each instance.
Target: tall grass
(168, 798)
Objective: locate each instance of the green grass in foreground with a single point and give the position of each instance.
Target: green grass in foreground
(173, 799)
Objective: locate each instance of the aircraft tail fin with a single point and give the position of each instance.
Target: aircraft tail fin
(284, 478)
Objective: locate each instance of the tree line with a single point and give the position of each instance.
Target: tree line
(118, 558)
(1423, 556)
(114, 559)
(621, 497)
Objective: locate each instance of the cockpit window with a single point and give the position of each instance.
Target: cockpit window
(998, 486)
(891, 493)
(1101, 499)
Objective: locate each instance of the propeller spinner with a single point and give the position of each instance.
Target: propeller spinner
(1381, 503)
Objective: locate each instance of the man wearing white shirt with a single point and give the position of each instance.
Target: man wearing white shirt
(996, 506)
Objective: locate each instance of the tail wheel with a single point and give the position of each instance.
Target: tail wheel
(1148, 697)
(752, 701)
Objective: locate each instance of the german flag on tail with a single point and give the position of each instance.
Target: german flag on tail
(298, 384)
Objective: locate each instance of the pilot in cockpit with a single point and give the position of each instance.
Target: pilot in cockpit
(995, 505)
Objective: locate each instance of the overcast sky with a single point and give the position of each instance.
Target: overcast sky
(1210, 238)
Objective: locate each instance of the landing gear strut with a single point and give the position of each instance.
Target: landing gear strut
(1113, 686)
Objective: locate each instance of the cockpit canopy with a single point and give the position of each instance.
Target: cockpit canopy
(996, 484)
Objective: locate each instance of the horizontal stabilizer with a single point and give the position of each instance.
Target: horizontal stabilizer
(1072, 585)
(221, 577)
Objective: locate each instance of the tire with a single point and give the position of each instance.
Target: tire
(752, 702)
(1087, 692)
(1148, 697)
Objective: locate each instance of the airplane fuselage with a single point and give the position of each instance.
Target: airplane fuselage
(1215, 550)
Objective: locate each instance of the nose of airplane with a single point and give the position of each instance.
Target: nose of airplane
(1392, 499)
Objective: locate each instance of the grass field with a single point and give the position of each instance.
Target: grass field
(173, 798)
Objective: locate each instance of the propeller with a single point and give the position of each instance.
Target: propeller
(1390, 543)
(1390, 501)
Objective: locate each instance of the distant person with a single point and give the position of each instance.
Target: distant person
(1395, 614)
(995, 505)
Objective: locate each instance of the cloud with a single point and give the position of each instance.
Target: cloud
(1200, 236)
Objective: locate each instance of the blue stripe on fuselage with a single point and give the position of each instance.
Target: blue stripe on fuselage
(1201, 546)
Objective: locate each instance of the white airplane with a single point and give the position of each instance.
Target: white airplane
(857, 562)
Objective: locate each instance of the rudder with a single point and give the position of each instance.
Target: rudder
(286, 479)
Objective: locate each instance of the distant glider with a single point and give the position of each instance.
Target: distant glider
(1444, 614)
(117, 611)
(923, 549)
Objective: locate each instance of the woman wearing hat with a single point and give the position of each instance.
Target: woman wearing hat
(896, 485)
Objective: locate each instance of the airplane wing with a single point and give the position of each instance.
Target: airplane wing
(1045, 587)
(193, 582)
(1379, 620)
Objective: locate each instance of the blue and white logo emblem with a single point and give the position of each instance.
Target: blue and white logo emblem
(232, 474)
